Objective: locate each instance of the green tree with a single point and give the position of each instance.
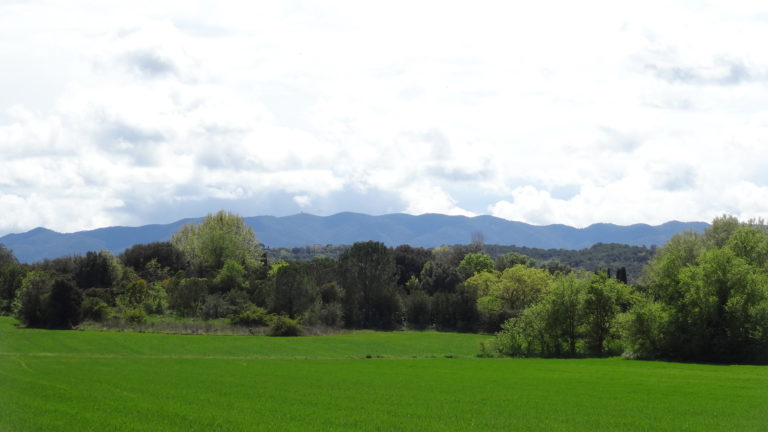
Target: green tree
(368, 276)
(511, 259)
(64, 305)
(437, 277)
(292, 290)
(646, 329)
(564, 313)
(662, 275)
(29, 306)
(502, 295)
(708, 297)
(231, 277)
(604, 299)
(521, 286)
(474, 263)
(550, 327)
(164, 255)
(220, 237)
(187, 296)
(417, 313)
(11, 275)
(409, 261)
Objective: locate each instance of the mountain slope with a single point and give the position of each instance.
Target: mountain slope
(428, 230)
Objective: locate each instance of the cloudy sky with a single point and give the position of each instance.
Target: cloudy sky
(545, 112)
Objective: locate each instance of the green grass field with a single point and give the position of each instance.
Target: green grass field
(108, 381)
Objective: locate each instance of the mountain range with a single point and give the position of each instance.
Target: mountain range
(427, 230)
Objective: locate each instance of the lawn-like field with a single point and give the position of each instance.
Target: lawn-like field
(105, 381)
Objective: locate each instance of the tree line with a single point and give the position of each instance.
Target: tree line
(701, 297)
(600, 256)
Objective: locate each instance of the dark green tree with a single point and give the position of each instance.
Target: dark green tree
(409, 261)
(292, 290)
(63, 305)
(11, 275)
(368, 275)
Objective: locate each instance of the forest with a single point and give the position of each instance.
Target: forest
(702, 297)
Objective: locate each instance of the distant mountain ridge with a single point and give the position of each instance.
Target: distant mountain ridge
(427, 230)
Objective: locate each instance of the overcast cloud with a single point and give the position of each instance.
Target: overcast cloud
(544, 112)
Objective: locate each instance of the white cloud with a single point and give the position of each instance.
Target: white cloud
(601, 112)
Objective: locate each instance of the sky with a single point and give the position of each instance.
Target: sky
(131, 113)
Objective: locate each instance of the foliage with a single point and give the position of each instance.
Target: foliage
(253, 316)
(577, 314)
(597, 257)
(220, 237)
(151, 258)
(324, 314)
(64, 305)
(29, 306)
(98, 270)
(645, 328)
(134, 316)
(231, 276)
(437, 277)
(327, 309)
(417, 313)
(282, 325)
(11, 275)
(292, 289)
(368, 276)
(306, 253)
(474, 263)
(502, 295)
(409, 261)
(604, 299)
(186, 296)
(151, 297)
(95, 309)
(708, 297)
(455, 311)
(511, 259)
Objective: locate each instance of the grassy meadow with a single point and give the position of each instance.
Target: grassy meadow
(363, 380)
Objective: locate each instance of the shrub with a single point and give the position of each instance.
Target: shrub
(64, 305)
(187, 296)
(134, 316)
(215, 306)
(325, 314)
(254, 316)
(95, 309)
(417, 313)
(645, 329)
(283, 326)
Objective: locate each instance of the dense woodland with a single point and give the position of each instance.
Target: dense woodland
(701, 297)
(601, 256)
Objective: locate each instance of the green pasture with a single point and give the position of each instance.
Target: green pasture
(110, 381)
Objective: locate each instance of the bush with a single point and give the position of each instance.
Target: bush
(215, 306)
(254, 316)
(645, 329)
(284, 326)
(95, 309)
(187, 296)
(325, 314)
(29, 305)
(64, 305)
(417, 313)
(134, 316)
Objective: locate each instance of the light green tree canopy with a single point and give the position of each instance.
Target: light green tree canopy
(474, 263)
(220, 237)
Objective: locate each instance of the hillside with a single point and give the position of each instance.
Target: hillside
(429, 230)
